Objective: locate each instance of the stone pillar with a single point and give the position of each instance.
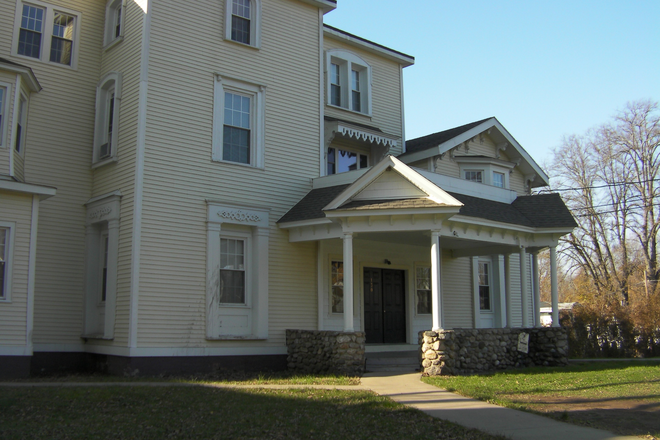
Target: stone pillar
(537, 290)
(507, 294)
(436, 280)
(553, 286)
(524, 291)
(348, 282)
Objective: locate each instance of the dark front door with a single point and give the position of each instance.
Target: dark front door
(384, 306)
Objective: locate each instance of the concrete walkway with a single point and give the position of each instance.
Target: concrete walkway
(407, 388)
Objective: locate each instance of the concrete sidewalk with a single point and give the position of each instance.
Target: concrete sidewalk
(407, 388)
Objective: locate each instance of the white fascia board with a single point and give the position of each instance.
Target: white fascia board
(526, 157)
(27, 76)
(338, 179)
(434, 192)
(325, 5)
(374, 48)
(304, 223)
(475, 221)
(43, 192)
(393, 211)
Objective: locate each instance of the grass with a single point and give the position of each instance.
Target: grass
(205, 412)
(572, 393)
(231, 377)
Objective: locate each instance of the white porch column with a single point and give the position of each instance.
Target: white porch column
(348, 282)
(436, 280)
(111, 283)
(553, 286)
(507, 294)
(537, 289)
(524, 291)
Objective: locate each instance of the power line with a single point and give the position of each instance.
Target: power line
(606, 185)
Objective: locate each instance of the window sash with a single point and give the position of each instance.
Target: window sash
(356, 100)
(498, 179)
(342, 161)
(61, 46)
(20, 124)
(104, 267)
(335, 85)
(31, 30)
(232, 271)
(484, 286)
(424, 302)
(337, 287)
(240, 21)
(474, 176)
(2, 114)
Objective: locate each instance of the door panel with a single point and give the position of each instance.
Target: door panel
(373, 306)
(384, 306)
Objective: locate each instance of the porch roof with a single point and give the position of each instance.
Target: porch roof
(541, 211)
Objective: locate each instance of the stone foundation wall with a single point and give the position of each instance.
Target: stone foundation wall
(317, 351)
(468, 351)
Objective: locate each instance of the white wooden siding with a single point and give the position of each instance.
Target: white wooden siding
(13, 315)
(179, 173)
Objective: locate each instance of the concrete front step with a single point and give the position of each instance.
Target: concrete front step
(401, 361)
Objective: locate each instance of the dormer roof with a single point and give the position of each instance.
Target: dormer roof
(441, 142)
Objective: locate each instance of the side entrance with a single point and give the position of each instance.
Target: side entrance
(384, 306)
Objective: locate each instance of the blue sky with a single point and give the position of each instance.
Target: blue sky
(545, 69)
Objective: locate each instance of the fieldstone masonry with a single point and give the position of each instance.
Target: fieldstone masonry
(467, 351)
(317, 351)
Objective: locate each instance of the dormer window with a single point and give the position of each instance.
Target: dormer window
(483, 169)
(348, 82)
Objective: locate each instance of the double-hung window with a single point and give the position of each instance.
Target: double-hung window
(348, 81)
(6, 245)
(484, 286)
(46, 33)
(337, 287)
(236, 130)
(341, 161)
(423, 290)
(243, 21)
(114, 12)
(238, 122)
(232, 271)
(106, 138)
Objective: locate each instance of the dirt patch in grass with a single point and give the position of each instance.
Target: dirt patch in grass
(628, 416)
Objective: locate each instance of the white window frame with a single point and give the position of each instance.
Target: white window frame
(428, 266)
(466, 171)
(246, 238)
(9, 228)
(22, 118)
(111, 83)
(504, 180)
(115, 11)
(47, 32)
(227, 321)
(257, 95)
(348, 150)
(255, 23)
(4, 113)
(348, 62)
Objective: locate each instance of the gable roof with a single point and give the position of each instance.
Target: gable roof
(441, 142)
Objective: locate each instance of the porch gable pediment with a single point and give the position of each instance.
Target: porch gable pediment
(388, 182)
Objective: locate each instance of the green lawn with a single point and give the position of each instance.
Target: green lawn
(619, 396)
(142, 412)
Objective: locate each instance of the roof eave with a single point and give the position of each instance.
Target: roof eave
(354, 40)
(26, 73)
(325, 5)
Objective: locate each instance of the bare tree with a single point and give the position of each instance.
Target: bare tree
(610, 179)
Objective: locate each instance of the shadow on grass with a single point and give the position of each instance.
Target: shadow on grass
(201, 412)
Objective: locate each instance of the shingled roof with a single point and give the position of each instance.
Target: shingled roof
(435, 139)
(540, 211)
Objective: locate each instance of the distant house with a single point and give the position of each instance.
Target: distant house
(546, 311)
(181, 183)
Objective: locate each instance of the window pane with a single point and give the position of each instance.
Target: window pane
(232, 287)
(423, 289)
(346, 161)
(335, 85)
(2, 108)
(498, 179)
(473, 176)
(240, 29)
(337, 287)
(484, 286)
(356, 104)
(62, 41)
(364, 161)
(424, 302)
(29, 43)
(241, 8)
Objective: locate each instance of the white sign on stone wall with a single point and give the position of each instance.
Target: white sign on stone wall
(523, 342)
